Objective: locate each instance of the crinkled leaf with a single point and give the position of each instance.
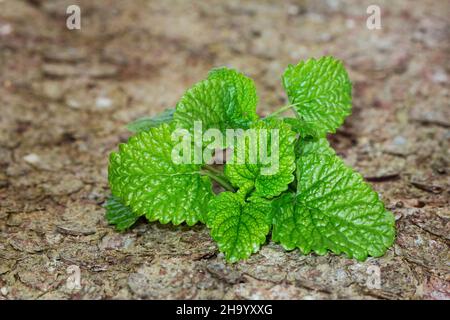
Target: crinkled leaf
(144, 176)
(294, 123)
(308, 146)
(218, 103)
(119, 214)
(246, 95)
(333, 209)
(321, 92)
(145, 123)
(268, 176)
(239, 227)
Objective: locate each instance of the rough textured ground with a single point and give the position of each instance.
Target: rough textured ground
(65, 97)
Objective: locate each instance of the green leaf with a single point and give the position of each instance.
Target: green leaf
(333, 209)
(145, 123)
(267, 177)
(144, 176)
(246, 95)
(319, 146)
(119, 214)
(218, 103)
(294, 123)
(321, 92)
(239, 227)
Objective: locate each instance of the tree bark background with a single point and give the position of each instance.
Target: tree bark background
(66, 95)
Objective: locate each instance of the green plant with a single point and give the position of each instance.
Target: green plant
(313, 202)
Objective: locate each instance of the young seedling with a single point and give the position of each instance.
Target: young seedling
(308, 198)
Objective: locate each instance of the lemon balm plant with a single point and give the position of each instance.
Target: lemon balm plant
(313, 202)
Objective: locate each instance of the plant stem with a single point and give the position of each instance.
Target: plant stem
(220, 180)
(212, 169)
(281, 110)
